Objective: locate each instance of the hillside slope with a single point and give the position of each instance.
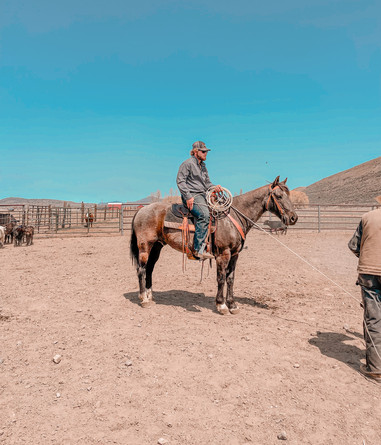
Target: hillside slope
(359, 185)
(39, 202)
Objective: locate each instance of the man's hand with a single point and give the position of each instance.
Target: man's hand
(218, 188)
(190, 203)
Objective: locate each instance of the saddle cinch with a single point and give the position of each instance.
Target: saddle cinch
(180, 212)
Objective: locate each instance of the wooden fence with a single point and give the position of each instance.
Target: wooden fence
(66, 221)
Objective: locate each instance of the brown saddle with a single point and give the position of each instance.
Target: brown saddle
(179, 217)
(180, 211)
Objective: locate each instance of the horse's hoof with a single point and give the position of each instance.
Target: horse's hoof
(234, 310)
(222, 309)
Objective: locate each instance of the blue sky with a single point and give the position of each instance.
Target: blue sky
(102, 100)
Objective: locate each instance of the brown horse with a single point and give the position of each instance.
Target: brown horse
(89, 219)
(149, 236)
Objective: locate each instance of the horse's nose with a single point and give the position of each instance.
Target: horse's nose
(293, 218)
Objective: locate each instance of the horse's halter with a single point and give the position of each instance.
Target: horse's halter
(272, 195)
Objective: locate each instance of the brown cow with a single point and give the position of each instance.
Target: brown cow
(29, 232)
(18, 235)
(9, 232)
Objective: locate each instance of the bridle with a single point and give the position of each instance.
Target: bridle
(272, 195)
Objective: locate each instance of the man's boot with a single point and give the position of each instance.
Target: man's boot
(203, 255)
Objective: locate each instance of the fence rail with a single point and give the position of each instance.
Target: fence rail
(51, 221)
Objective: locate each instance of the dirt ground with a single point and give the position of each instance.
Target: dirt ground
(179, 371)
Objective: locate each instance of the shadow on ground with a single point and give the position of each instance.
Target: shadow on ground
(191, 301)
(333, 344)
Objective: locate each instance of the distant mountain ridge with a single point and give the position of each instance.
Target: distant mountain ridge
(13, 201)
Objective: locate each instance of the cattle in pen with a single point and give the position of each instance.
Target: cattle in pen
(18, 235)
(29, 233)
(9, 232)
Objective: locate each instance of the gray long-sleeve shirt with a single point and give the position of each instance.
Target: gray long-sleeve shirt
(193, 178)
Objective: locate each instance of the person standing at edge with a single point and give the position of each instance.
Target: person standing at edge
(193, 182)
(366, 245)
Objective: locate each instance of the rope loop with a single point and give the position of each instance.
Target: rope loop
(219, 203)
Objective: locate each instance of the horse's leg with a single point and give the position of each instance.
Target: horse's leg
(153, 257)
(232, 305)
(222, 261)
(144, 251)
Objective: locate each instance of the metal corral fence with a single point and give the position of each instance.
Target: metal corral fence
(71, 221)
(327, 217)
(51, 221)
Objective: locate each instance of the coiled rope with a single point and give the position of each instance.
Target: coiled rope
(219, 202)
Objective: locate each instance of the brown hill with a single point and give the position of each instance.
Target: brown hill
(39, 202)
(10, 202)
(360, 185)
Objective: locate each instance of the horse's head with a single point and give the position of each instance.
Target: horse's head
(277, 201)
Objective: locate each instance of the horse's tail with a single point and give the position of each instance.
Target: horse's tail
(134, 249)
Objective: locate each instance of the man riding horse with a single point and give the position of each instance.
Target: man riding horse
(193, 182)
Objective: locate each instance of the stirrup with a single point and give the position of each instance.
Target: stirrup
(204, 256)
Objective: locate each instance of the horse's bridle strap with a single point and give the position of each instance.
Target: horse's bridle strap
(238, 227)
(271, 195)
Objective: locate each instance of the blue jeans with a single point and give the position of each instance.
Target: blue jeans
(200, 212)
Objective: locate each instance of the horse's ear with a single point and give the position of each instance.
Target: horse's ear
(275, 183)
(284, 181)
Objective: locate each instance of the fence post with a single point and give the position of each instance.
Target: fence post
(121, 220)
(64, 216)
(318, 218)
(38, 215)
(50, 217)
